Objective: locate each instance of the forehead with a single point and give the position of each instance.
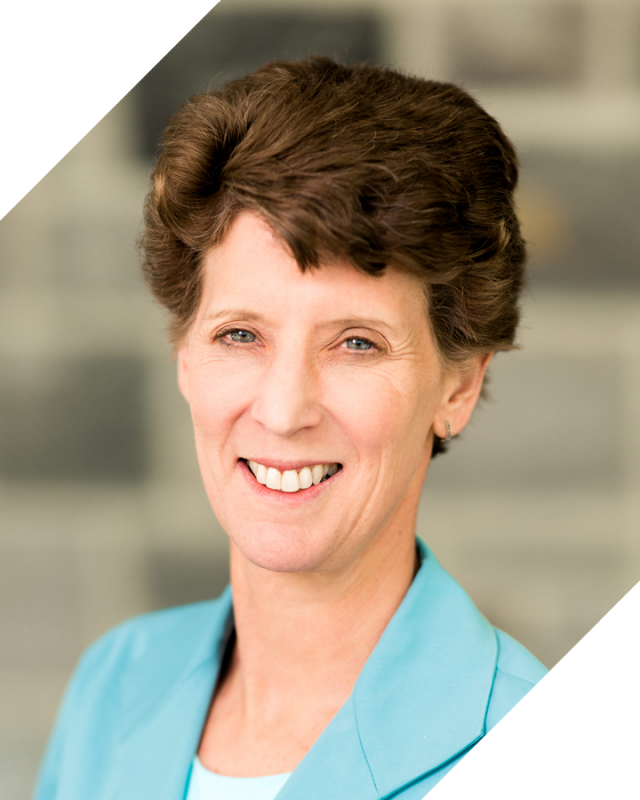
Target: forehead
(252, 265)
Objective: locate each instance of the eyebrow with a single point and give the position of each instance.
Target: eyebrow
(359, 322)
(234, 312)
(253, 316)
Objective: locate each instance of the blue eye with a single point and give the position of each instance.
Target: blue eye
(356, 343)
(241, 336)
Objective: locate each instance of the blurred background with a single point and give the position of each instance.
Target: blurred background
(535, 510)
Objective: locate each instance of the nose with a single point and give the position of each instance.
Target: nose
(287, 398)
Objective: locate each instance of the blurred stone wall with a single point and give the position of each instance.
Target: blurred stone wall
(535, 510)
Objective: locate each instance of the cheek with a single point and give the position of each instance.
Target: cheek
(385, 414)
(218, 396)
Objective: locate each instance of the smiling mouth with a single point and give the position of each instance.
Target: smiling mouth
(292, 480)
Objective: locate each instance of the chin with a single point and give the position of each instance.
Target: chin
(272, 548)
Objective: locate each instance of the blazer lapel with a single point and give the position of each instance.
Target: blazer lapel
(155, 754)
(423, 695)
(335, 768)
(420, 700)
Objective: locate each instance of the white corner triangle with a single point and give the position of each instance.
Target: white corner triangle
(64, 65)
(575, 735)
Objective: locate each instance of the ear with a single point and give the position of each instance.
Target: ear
(183, 371)
(462, 389)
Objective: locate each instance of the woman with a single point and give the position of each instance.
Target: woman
(339, 252)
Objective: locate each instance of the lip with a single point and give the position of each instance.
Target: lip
(286, 498)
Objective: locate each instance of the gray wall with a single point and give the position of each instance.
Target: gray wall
(535, 509)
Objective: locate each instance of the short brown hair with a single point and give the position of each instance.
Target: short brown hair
(356, 162)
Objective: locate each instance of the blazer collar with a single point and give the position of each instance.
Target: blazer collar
(169, 703)
(422, 696)
(420, 700)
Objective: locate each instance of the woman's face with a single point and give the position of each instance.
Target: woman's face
(294, 370)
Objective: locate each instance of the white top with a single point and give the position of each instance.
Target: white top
(206, 785)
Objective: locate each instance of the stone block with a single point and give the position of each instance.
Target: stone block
(73, 418)
(176, 576)
(40, 609)
(580, 219)
(522, 44)
(549, 424)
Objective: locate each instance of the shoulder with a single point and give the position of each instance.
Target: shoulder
(517, 672)
(150, 651)
(132, 641)
(118, 679)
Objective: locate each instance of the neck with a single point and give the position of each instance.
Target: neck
(309, 635)
(302, 640)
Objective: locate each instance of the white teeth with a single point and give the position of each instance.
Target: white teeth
(306, 478)
(274, 479)
(291, 480)
(259, 471)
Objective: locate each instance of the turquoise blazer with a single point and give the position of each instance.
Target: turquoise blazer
(439, 678)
